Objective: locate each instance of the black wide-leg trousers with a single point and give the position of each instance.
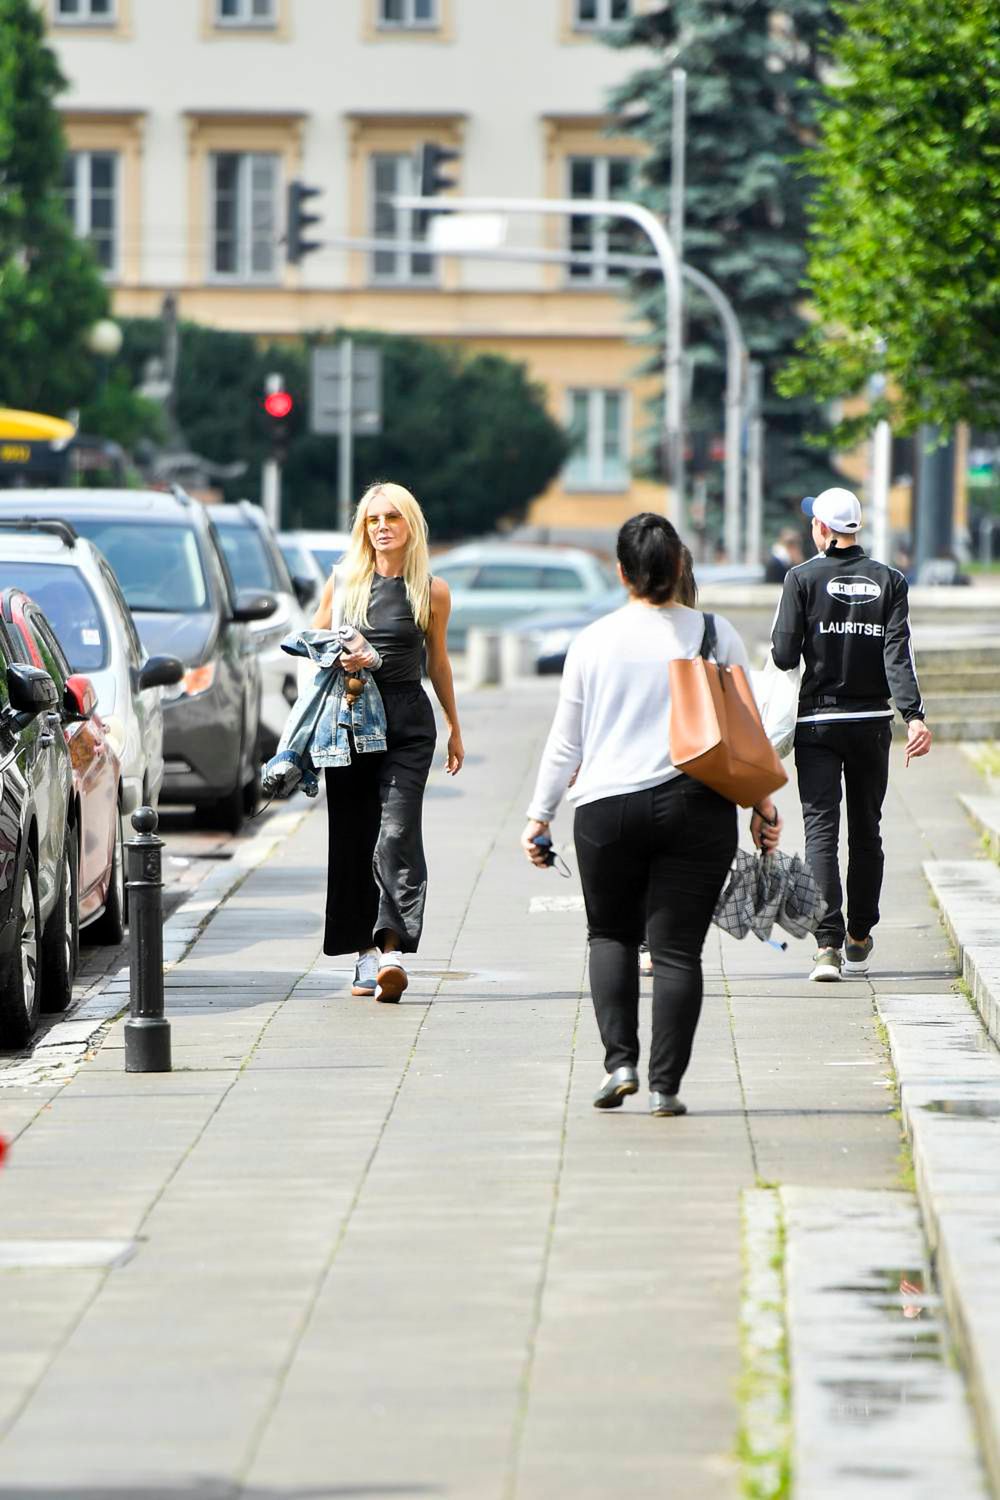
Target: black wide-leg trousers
(377, 872)
(652, 864)
(832, 756)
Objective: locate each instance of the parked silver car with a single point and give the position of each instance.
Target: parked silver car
(328, 547)
(74, 586)
(307, 575)
(167, 558)
(494, 583)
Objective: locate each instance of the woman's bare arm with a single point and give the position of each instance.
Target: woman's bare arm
(323, 618)
(440, 673)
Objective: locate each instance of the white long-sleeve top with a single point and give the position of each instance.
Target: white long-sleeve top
(613, 716)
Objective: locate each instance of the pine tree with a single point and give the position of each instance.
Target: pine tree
(753, 80)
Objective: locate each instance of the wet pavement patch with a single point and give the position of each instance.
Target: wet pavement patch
(879, 1410)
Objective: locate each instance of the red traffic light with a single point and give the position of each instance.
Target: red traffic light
(278, 404)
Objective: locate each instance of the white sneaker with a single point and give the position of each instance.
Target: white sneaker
(365, 973)
(391, 979)
(645, 960)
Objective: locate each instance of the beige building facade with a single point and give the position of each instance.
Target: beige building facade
(187, 119)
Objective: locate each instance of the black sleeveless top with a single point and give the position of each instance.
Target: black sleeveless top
(393, 632)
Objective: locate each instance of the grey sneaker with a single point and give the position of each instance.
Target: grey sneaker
(826, 965)
(365, 974)
(615, 1087)
(666, 1104)
(856, 956)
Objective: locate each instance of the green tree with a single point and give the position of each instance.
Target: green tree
(471, 437)
(904, 225)
(51, 292)
(753, 68)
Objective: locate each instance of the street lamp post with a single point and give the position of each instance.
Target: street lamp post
(670, 266)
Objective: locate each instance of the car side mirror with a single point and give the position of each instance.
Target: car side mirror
(30, 692)
(306, 589)
(80, 700)
(160, 671)
(253, 604)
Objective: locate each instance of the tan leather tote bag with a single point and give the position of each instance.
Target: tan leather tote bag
(716, 734)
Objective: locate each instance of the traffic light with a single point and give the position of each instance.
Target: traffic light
(278, 405)
(297, 245)
(430, 160)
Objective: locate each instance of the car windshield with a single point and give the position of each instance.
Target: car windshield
(298, 559)
(327, 557)
(64, 597)
(249, 561)
(159, 567)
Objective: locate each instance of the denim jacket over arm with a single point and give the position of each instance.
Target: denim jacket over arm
(316, 734)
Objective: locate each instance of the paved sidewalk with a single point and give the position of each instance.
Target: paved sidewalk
(391, 1251)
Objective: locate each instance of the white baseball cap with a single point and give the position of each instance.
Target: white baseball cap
(838, 509)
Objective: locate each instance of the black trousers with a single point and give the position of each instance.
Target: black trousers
(831, 756)
(652, 864)
(377, 873)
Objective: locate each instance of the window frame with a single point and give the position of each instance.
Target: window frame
(604, 21)
(595, 478)
(83, 197)
(246, 20)
(244, 274)
(409, 21)
(600, 231)
(85, 16)
(405, 227)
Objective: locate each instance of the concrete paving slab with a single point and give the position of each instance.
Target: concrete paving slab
(878, 1409)
(949, 1077)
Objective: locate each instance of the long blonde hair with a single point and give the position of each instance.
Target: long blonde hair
(358, 567)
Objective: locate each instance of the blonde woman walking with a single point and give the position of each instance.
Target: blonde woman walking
(377, 873)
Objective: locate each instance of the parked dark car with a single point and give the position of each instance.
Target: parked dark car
(97, 773)
(166, 555)
(39, 940)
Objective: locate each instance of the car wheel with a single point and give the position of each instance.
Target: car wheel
(110, 925)
(19, 979)
(61, 938)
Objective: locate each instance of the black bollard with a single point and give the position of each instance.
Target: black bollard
(147, 1032)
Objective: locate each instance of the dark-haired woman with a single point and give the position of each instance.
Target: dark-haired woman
(653, 845)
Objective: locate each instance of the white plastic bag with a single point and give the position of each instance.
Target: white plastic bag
(777, 695)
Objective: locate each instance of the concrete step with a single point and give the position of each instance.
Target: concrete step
(947, 704)
(972, 651)
(978, 725)
(968, 896)
(985, 814)
(949, 1087)
(952, 678)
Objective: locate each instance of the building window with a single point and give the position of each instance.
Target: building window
(408, 14)
(85, 12)
(90, 187)
(245, 215)
(598, 177)
(395, 173)
(597, 15)
(598, 434)
(245, 13)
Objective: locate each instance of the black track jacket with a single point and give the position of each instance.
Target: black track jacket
(847, 616)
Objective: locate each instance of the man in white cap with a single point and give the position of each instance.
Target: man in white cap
(846, 617)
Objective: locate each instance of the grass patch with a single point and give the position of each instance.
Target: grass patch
(985, 756)
(763, 1444)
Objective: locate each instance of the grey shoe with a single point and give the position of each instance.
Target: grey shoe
(365, 974)
(826, 965)
(615, 1086)
(856, 956)
(666, 1104)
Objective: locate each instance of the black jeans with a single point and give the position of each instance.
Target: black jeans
(829, 756)
(652, 865)
(377, 873)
